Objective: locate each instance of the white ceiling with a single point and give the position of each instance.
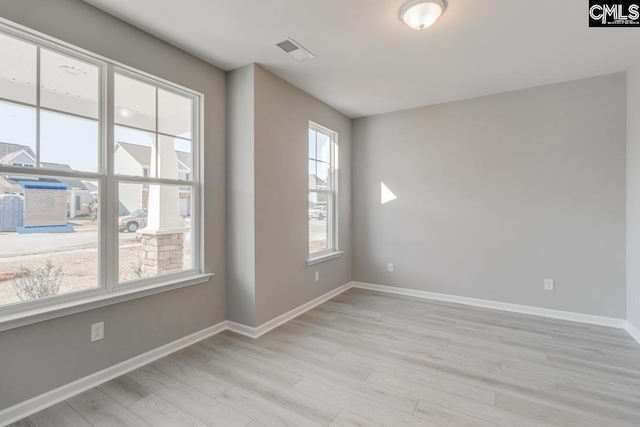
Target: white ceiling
(368, 62)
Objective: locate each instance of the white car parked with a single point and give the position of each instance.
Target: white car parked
(319, 212)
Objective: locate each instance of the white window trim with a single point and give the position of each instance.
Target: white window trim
(78, 302)
(333, 250)
(322, 258)
(109, 290)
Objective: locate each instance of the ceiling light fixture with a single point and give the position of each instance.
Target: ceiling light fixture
(420, 14)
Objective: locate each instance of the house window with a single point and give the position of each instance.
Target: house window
(62, 113)
(322, 191)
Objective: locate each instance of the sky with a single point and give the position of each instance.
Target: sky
(65, 139)
(72, 85)
(319, 149)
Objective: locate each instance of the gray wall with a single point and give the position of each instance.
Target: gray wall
(496, 194)
(241, 235)
(633, 196)
(276, 190)
(40, 357)
(283, 280)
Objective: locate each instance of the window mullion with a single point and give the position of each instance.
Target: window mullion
(197, 174)
(109, 231)
(157, 137)
(38, 84)
(333, 185)
(160, 181)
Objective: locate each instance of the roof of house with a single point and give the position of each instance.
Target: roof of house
(75, 183)
(14, 181)
(316, 182)
(7, 148)
(142, 154)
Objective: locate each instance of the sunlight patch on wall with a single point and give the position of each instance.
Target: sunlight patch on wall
(386, 195)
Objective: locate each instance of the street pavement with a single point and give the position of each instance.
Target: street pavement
(317, 229)
(12, 243)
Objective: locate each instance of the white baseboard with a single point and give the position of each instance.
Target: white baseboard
(516, 308)
(242, 329)
(45, 400)
(256, 332)
(633, 331)
(38, 403)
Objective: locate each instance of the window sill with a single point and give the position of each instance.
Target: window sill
(324, 257)
(67, 306)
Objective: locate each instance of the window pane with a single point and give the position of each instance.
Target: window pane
(135, 103)
(17, 135)
(318, 223)
(49, 239)
(133, 152)
(324, 148)
(312, 144)
(155, 230)
(323, 176)
(69, 85)
(312, 174)
(174, 158)
(174, 114)
(17, 70)
(68, 143)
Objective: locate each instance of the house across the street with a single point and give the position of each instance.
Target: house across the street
(135, 160)
(79, 197)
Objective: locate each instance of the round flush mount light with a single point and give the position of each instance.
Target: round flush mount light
(420, 14)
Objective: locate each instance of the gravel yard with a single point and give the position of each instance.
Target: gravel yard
(79, 266)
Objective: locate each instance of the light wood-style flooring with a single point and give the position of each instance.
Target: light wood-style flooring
(367, 358)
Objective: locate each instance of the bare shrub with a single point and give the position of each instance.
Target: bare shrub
(137, 267)
(42, 283)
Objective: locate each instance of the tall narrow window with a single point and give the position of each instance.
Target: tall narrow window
(322, 191)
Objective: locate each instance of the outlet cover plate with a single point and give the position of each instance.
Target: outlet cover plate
(97, 331)
(548, 285)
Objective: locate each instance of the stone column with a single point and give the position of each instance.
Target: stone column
(162, 253)
(163, 237)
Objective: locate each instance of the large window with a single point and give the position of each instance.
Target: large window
(322, 191)
(99, 179)
(153, 160)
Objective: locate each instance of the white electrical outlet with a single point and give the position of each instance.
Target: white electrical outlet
(548, 284)
(97, 331)
(390, 267)
(317, 276)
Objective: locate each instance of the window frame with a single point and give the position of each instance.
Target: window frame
(332, 250)
(119, 178)
(109, 291)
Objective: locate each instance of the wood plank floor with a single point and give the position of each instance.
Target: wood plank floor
(366, 358)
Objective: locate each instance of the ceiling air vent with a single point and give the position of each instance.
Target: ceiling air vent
(294, 49)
